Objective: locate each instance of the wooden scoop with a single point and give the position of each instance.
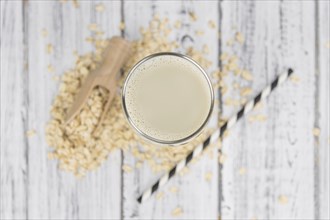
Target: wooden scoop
(114, 57)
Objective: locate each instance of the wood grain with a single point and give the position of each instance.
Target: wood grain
(322, 81)
(275, 169)
(278, 154)
(14, 160)
(34, 186)
(193, 189)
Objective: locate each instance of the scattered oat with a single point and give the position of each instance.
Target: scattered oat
(99, 7)
(237, 71)
(231, 102)
(253, 118)
(49, 48)
(247, 75)
(56, 78)
(211, 24)
(51, 156)
(90, 40)
(30, 133)
(198, 57)
(173, 189)
(294, 78)
(75, 3)
(216, 74)
(226, 134)
(232, 59)
(239, 38)
(206, 49)
(218, 144)
(93, 27)
(192, 16)
(63, 1)
(243, 101)
(242, 171)
(316, 132)
(127, 168)
(178, 24)
(138, 165)
(44, 33)
(208, 176)
(236, 85)
(222, 120)
(50, 68)
(282, 199)
(230, 42)
(223, 88)
(232, 66)
(159, 195)
(99, 33)
(80, 174)
(224, 56)
(184, 171)
(177, 211)
(259, 106)
(121, 26)
(156, 17)
(222, 158)
(75, 53)
(199, 32)
(246, 91)
(210, 153)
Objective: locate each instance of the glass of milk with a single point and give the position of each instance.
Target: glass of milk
(167, 98)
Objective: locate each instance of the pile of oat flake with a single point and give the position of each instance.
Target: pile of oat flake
(74, 146)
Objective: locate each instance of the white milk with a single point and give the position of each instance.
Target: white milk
(168, 98)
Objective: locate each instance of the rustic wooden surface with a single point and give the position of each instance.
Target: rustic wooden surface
(275, 169)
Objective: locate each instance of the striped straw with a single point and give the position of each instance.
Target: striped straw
(214, 137)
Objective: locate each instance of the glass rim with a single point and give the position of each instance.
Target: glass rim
(148, 137)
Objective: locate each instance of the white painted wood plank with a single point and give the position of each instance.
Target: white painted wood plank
(51, 193)
(278, 153)
(197, 197)
(13, 151)
(322, 110)
(135, 14)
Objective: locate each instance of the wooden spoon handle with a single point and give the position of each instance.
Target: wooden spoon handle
(115, 55)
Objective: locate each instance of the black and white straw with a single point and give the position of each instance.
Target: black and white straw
(214, 137)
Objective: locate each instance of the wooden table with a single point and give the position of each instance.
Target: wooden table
(274, 169)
